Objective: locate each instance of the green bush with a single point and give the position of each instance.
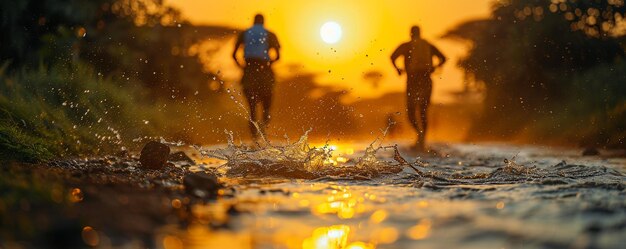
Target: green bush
(548, 75)
(71, 110)
(594, 111)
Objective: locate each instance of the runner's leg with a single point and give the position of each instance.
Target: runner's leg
(425, 93)
(267, 96)
(249, 82)
(252, 103)
(411, 100)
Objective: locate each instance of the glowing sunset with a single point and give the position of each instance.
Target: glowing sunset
(371, 32)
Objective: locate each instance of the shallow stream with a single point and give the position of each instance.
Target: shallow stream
(372, 196)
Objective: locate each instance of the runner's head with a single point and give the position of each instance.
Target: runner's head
(415, 32)
(258, 19)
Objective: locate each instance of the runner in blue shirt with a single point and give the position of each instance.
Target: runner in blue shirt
(258, 78)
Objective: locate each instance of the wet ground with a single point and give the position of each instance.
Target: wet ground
(470, 196)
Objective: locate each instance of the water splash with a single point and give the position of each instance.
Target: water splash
(298, 160)
(295, 160)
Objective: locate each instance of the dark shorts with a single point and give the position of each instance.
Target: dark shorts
(258, 81)
(419, 88)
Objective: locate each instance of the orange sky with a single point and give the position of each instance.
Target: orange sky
(371, 31)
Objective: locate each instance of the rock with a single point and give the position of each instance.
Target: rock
(122, 154)
(591, 151)
(233, 210)
(181, 157)
(154, 155)
(201, 185)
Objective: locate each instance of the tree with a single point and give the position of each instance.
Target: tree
(374, 77)
(144, 40)
(529, 52)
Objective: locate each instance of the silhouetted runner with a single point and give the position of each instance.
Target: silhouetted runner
(258, 78)
(418, 64)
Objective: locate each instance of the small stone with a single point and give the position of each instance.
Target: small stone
(122, 154)
(201, 185)
(591, 151)
(233, 210)
(154, 155)
(181, 157)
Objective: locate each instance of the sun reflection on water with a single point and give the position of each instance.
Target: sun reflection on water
(341, 154)
(333, 237)
(342, 203)
(314, 215)
(421, 230)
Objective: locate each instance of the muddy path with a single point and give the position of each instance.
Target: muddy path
(479, 196)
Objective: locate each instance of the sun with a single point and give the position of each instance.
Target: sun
(331, 32)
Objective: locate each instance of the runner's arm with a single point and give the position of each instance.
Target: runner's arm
(397, 53)
(237, 45)
(273, 43)
(442, 58)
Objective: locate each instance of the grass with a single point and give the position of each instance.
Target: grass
(70, 110)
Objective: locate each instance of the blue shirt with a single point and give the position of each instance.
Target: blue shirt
(257, 41)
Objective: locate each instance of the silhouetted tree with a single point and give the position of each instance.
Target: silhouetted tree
(529, 53)
(374, 77)
(144, 40)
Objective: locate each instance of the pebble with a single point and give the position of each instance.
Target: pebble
(201, 184)
(154, 155)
